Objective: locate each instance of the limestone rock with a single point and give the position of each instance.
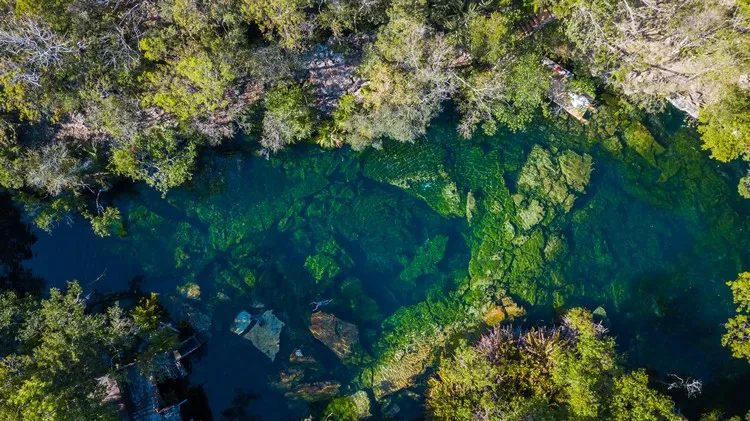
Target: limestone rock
(332, 72)
(531, 214)
(339, 336)
(688, 103)
(266, 334)
(471, 206)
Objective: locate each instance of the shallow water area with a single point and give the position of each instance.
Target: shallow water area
(649, 241)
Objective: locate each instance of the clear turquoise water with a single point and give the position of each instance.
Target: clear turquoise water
(651, 243)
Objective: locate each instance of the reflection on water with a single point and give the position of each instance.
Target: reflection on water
(651, 239)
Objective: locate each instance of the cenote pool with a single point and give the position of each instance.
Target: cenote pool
(419, 244)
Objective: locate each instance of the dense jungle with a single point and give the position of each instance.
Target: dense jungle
(374, 209)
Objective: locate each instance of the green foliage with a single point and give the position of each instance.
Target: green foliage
(50, 371)
(490, 37)
(508, 94)
(585, 375)
(106, 221)
(725, 126)
(634, 400)
(288, 118)
(737, 337)
(47, 214)
(193, 85)
(158, 157)
(464, 385)
(408, 78)
(567, 372)
(284, 19)
(148, 313)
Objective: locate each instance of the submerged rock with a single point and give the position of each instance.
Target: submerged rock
(531, 214)
(315, 391)
(403, 367)
(642, 141)
(266, 334)
(339, 336)
(199, 319)
(241, 322)
(555, 178)
(350, 408)
(471, 206)
(296, 385)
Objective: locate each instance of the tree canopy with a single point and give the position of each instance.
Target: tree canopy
(570, 371)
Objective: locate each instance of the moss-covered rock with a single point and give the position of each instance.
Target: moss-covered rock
(612, 145)
(426, 259)
(555, 178)
(339, 336)
(413, 336)
(322, 267)
(349, 408)
(530, 212)
(418, 169)
(637, 137)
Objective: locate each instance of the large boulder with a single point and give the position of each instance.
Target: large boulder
(266, 334)
(555, 178)
(339, 336)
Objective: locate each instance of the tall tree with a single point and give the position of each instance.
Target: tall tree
(53, 351)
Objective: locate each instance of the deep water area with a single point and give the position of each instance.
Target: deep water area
(420, 244)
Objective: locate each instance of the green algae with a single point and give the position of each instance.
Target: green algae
(421, 244)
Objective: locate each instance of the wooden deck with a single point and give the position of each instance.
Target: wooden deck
(576, 104)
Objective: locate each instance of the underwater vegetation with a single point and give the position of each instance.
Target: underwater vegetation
(418, 246)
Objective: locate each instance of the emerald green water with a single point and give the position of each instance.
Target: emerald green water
(652, 240)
